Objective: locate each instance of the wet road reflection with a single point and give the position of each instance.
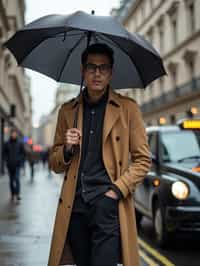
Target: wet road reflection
(26, 228)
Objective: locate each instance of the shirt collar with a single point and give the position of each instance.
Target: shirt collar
(87, 101)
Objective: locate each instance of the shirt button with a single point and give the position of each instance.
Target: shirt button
(83, 190)
(92, 112)
(91, 132)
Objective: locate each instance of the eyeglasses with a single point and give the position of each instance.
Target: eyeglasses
(103, 68)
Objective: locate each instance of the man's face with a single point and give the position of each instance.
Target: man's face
(14, 134)
(97, 72)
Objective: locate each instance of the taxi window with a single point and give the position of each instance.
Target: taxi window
(178, 145)
(152, 142)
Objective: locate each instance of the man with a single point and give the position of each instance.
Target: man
(32, 158)
(13, 156)
(95, 221)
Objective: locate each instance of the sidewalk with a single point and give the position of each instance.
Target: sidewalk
(26, 228)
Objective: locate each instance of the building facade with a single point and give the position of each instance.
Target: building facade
(173, 28)
(45, 133)
(15, 99)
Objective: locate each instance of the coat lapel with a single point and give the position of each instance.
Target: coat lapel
(76, 106)
(112, 113)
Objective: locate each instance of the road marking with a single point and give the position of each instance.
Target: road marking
(147, 259)
(155, 253)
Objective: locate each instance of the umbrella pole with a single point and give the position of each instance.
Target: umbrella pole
(89, 35)
(75, 124)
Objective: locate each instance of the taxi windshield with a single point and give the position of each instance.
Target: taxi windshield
(180, 146)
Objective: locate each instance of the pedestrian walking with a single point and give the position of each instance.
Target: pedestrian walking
(95, 222)
(14, 155)
(32, 159)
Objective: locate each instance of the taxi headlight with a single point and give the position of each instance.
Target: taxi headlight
(180, 190)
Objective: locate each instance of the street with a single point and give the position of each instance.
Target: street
(26, 228)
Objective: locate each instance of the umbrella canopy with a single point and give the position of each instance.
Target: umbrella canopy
(52, 45)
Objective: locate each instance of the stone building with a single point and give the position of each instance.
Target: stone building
(15, 99)
(173, 27)
(45, 132)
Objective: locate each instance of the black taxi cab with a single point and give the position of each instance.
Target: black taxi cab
(170, 195)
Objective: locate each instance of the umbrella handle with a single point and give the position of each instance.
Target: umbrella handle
(76, 147)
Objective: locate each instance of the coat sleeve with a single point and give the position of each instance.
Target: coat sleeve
(56, 158)
(139, 151)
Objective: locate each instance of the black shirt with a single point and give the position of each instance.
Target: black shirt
(93, 179)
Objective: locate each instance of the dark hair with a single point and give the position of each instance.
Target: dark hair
(13, 130)
(98, 48)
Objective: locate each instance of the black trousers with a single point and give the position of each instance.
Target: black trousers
(94, 235)
(14, 180)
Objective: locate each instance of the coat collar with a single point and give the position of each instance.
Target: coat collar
(113, 99)
(112, 113)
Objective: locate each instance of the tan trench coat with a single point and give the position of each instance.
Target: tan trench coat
(124, 137)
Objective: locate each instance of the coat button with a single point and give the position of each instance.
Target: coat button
(65, 177)
(120, 163)
(68, 206)
(59, 163)
(74, 177)
(60, 200)
(117, 138)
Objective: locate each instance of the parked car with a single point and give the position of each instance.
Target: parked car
(170, 195)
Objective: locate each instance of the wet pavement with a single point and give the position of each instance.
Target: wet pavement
(26, 228)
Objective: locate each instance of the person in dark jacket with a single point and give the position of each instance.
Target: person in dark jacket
(95, 223)
(13, 156)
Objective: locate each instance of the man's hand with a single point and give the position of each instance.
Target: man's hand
(72, 137)
(112, 194)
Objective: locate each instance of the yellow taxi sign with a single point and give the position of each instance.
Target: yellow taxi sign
(196, 169)
(190, 124)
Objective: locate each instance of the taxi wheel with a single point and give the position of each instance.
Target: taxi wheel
(161, 234)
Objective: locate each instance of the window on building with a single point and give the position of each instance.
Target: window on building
(174, 31)
(173, 70)
(150, 34)
(173, 15)
(143, 10)
(151, 4)
(161, 33)
(191, 17)
(174, 78)
(191, 68)
(189, 58)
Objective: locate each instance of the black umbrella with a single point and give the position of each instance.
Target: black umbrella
(53, 45)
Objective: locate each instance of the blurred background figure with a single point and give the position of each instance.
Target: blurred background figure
(14, 157)
(32, 159)
(44, 157)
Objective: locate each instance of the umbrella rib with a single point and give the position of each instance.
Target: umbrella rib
(68, 55)
(121, 48)
(63, 34)
(41, 41)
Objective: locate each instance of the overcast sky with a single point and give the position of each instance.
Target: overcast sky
(43, 88)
